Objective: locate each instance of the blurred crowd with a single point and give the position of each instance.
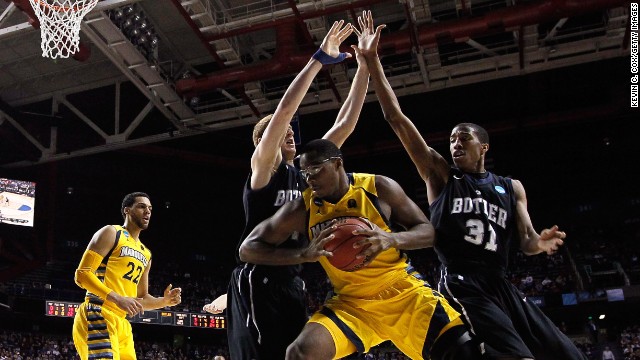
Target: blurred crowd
(39, 346)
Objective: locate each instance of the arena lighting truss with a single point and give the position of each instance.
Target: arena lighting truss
(240, 55)
(132, 21)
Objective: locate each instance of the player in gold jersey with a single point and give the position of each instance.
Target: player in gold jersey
(386, 299)
(115, 272)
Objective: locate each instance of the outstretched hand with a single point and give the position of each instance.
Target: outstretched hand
(217, 306)
(368, 38)
(336, 35)
(173, 296)
(551, 239)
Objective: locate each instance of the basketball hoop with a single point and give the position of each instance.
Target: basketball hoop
(60, 25)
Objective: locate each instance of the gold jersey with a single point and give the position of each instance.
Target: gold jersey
(122, 268)
(360, 200)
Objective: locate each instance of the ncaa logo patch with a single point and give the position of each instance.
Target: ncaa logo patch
(500, 189)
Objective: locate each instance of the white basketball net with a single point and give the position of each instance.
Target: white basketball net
(60, 25)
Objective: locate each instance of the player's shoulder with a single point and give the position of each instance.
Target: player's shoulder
(385, 183)
(107, 230)
(104, 238)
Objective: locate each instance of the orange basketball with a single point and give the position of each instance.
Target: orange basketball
(344, 254)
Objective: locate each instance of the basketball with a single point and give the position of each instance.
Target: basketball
(344, 254)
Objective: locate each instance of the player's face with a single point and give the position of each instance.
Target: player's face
(288, 145)
(466, 150)
(321, 174)
(140, 213)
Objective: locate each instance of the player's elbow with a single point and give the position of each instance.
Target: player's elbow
(429, 235)
(80, 276)
(252, 250)
(243, 253)
(393, 115)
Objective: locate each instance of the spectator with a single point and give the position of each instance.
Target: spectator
(607, 354)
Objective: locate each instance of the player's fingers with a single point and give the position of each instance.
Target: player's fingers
(367, 260)
(326, 231)
(317, 250)
(336, 27)
(345, 32)
(332, 30)
(361, 22)
(133, 311)
(366, 232)
(324, 240)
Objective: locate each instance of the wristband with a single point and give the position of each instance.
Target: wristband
(326, 59)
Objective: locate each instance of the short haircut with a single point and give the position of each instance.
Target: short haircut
(260, 127)
(482, 134)
(321, 149)
(130, 199)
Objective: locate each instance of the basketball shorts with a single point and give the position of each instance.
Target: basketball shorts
(503, 321)
(265, 312)
(98, 333)
(408, 313)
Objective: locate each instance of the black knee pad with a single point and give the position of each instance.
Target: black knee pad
(456, 344)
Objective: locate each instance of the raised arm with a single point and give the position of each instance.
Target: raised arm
(268, 149)
(260, 246)
(350, 110)
(532, 243)
(432, 167)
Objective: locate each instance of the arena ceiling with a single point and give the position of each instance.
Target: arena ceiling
(223, 64)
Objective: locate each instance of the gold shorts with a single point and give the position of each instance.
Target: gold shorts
(409, 313)
(99, 331)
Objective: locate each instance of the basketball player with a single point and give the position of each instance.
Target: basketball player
(386, 299)
(266, 305)
(478, 215)
(115, 272)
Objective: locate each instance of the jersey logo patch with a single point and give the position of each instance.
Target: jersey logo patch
(500, 189)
